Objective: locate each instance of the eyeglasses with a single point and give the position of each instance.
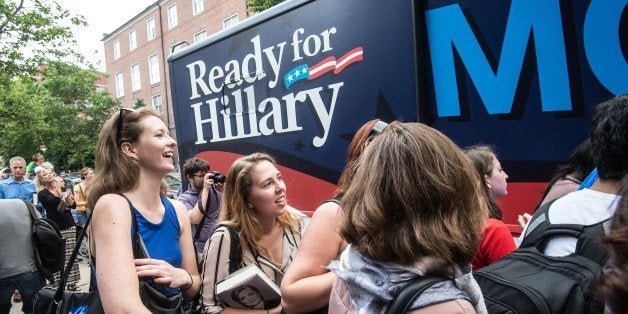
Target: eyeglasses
(378, 127)
(120, 122)
(200, 175)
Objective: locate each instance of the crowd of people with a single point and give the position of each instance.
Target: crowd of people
(434, 211)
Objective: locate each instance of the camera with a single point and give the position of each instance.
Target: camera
(218, 177)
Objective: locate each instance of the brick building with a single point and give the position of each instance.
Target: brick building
(136, 53)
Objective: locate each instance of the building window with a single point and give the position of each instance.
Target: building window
(150, 28)
(197, 6)
(116, 50)
(132, 40)
(230, 21)
(157, 103)
(153, 69)
(172, 16)
(119, 85)
(135, 77)
(200, 35)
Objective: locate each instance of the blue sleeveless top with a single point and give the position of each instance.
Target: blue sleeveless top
(162, 239)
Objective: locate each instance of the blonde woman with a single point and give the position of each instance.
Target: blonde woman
(58, 205)
(256, 206)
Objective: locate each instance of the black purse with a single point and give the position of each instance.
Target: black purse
(49, 300)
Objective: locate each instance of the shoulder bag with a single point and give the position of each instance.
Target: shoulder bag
(49, 300)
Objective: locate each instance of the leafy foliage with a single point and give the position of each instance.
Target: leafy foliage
(62, 110)
(33, 32)
(261, 5)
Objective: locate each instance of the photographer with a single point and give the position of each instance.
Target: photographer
(202, 199)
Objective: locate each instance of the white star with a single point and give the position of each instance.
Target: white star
(297, 72)
(290, 79)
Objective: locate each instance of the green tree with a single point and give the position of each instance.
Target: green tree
(33, 32)
(62, 109)
(261, 5)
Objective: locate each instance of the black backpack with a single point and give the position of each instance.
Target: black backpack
(527, 281)
(48, 244)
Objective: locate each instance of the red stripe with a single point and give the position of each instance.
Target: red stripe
(322, 67)
(353, 56)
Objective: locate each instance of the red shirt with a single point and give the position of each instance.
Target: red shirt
(496, 243)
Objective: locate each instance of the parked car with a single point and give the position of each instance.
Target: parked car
(174, 182)
(71, 179)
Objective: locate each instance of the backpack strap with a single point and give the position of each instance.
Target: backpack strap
(589, 237)
(235, 252)
(405, 297)
(333, 200)
(31, 209)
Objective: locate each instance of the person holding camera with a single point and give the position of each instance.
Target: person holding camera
(202, 199)
(58, 202)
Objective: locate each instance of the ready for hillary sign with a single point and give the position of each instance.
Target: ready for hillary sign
(296, 82)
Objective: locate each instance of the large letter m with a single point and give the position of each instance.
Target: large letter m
(539, 19)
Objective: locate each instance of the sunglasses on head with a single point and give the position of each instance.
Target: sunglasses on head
(378, 127)
(121, 121)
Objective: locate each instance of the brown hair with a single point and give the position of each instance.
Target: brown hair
(362, 137)
(614, 283)
(237, 190)
(116, 171)
(427, 202)
(482, 159)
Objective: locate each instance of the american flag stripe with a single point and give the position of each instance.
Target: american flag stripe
(354, 55)
(322, 67)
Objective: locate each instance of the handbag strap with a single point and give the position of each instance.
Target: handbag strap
(66, 273)
(139, 248)
(404, 298)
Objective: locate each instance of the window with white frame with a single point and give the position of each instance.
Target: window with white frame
(200, 35)
(156, 101)
(230, 21)
(153, 69)
(119, 85)
(132, 40)
(135, 77)
(197, 7)
(150, 28)
(172, 16)
(116, 50)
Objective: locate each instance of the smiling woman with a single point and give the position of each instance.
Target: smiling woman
(255, 206)
(134, 154)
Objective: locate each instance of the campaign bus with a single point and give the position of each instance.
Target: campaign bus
(296, 81)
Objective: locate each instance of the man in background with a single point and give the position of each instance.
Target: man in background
(18, 269)
(202, 199)
(17, 186)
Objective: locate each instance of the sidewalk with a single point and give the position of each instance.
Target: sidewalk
(84, 283)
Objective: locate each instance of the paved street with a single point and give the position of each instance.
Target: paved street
(84, 283)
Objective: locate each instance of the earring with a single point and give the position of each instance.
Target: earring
(250, 205)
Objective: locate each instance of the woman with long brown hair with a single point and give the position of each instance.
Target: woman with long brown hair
(255, 206)
(420, 213)
(133, 155)
(497, 240)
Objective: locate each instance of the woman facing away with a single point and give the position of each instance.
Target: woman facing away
(133, 154)
(569, 176)
(254, 204)
(307, 284)
(497, 240)
(422, 215)
(57, 205)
